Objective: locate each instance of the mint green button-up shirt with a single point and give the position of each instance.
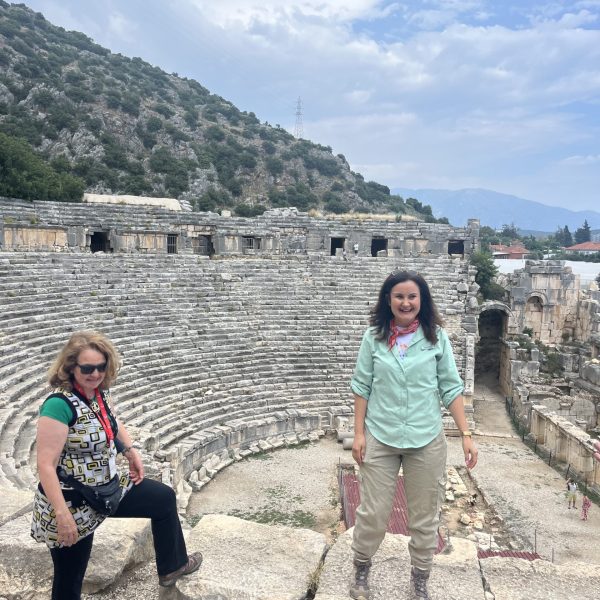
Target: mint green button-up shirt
(404, 394)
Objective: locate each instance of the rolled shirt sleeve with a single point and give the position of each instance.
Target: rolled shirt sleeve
(362, 380)
(450, 385)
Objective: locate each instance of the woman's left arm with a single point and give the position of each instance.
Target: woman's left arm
(136, 468)
(457, 410)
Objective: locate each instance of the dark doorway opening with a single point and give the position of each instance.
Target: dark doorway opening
(378, 244)
(203, 245)
(456, 247)
(251, 243)
(337, 243)
(488, 353)
(99, 242)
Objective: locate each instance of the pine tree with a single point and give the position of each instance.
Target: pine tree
(583, 234)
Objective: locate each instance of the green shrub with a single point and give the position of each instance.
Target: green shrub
(163, 109)
(274, 166)
(486, 272)
(214, 133)
(25, 175)
(249, 210)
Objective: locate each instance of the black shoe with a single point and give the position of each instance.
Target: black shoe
(359, 588)
(418, 584)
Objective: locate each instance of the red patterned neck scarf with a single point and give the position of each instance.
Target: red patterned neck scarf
(396, 331)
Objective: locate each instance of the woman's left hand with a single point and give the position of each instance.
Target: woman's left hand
(136, 468)
(470, 451)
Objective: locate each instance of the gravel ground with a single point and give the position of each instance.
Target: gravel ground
(294, 486)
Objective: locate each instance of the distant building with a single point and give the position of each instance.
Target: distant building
(585, 248)
(516, 252)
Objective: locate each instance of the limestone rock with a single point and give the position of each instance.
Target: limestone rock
(15, 502)
(455, 574)
(118, 545)
(465, 519)
(26, 566)
(516, 579)
(244, 560)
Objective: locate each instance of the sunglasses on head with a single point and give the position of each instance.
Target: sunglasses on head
(89, 369)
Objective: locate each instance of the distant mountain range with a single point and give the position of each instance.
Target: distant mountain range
(495, 209)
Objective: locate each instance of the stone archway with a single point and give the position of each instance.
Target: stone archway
(534, 315)
(489, 351)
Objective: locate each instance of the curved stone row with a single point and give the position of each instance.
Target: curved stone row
(214, 351)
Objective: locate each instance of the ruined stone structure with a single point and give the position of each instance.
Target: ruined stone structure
(238, 335)
(61, 227)
(546, 302)
(248, 337)
(543, 298)
(567, 442)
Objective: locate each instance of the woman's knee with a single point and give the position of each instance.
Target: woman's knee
(164, 496)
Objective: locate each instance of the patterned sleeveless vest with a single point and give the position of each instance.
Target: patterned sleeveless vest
(88, 457)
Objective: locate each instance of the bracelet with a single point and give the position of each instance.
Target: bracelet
(126, 449)
(466, 433)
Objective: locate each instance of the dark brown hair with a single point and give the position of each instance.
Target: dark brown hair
(381, 313)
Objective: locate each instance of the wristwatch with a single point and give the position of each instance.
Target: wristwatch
(466, 433)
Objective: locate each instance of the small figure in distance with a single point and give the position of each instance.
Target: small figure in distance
(571, 493)
(586, 503)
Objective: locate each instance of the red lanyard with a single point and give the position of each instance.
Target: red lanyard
(99, 409)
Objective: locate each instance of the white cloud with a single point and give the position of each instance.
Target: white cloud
(358, 96)
(246, 13)
(120, 26)
(578, 160)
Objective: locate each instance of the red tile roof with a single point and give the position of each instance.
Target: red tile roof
(593, 246)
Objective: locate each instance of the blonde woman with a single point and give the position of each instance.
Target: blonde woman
(78, 437)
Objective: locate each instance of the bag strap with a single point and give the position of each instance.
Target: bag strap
(69, 479)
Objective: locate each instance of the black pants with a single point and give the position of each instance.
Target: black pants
(150, 499)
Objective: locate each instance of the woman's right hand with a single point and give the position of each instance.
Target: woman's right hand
(359, 448)
(66, 528)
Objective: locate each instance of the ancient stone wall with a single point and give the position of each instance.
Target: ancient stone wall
(276, 232)
(33, 237)
(587, 322)
(567, 442)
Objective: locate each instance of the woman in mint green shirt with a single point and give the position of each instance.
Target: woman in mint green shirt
(405, 369)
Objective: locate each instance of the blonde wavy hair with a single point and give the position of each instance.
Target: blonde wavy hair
(60, 374)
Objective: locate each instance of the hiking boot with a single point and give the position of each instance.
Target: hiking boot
(418, 584)
(359, 588)
(193, 564)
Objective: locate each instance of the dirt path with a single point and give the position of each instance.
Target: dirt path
(521, 489)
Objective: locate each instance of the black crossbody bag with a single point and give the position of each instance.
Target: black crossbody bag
(102, 498)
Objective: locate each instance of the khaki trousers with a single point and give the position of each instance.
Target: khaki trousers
(425, 486)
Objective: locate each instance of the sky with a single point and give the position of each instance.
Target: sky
(448, 94)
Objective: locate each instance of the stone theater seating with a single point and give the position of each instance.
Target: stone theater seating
(216, 354)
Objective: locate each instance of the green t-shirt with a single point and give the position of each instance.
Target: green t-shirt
(56, 408)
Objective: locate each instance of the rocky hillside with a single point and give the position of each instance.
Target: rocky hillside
(111, 124)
